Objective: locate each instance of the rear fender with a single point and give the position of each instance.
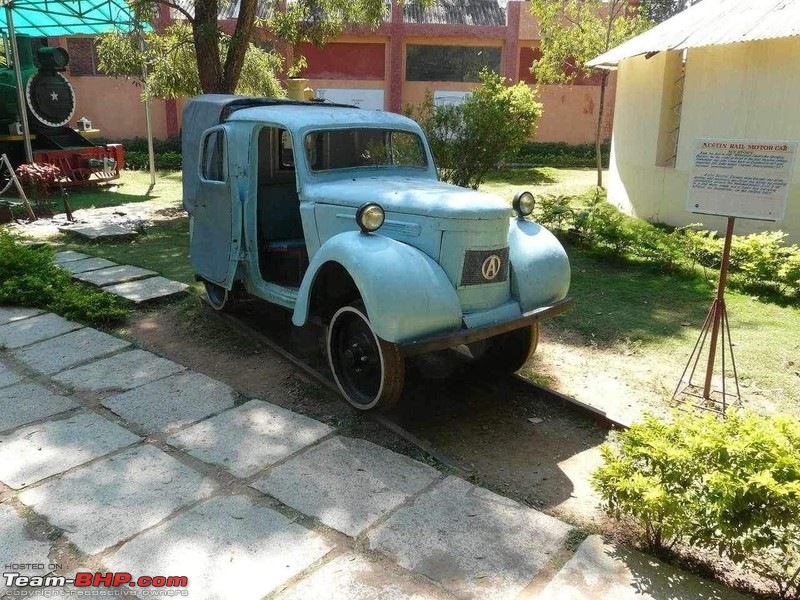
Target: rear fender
(406, 294)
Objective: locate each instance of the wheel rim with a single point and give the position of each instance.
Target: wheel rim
(217, 295)
(355, 358)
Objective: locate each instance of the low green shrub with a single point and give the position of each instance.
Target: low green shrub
(560, 155)
(28, 277)
(760, 262)
(165, 161)
(730, 485)
(139, 144)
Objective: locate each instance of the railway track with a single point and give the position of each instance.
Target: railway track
(276, 334)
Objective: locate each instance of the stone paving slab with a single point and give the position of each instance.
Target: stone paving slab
(250, 437)
(602, 570)
(173, 402)
(69, 256)
(16, 546)
(346, 483)
(112, 275)
(35, 329)
(35, 452)
(228, 547)
(8, 377)
(352, 577)
(119, 497)
(153, 288)
(87, 264)
(103, 231)
(123, 371)
(473, 542)
(25, 402)
(65, 351)
(12, 313)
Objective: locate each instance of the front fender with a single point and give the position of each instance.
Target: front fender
(406, 294)
(540, 271)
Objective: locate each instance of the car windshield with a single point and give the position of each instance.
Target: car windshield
(364, 147)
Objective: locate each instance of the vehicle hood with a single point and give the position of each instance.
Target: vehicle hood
(409, 195)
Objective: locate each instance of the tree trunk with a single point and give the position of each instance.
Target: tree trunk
(245, 24)
(205, 32)
(598, 142)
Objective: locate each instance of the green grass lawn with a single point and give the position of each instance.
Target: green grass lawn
(625, 307)
(540, 180)
(132, 186)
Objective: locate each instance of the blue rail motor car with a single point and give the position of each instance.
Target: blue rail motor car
(337, 214)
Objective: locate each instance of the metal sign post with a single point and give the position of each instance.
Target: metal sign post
(718, 325)
(732, 178)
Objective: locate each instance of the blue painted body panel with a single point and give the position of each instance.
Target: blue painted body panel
(406, 294)
(540, 272)
(409, 273)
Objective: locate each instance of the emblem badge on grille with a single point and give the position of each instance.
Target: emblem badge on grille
(491, 267)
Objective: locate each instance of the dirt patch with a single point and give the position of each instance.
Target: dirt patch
(504, 433)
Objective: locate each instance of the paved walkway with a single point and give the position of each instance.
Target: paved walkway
(132, 283)
(113, 458)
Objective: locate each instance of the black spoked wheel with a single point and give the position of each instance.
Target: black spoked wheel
(218, 297)
(507, 352)
(368, 370)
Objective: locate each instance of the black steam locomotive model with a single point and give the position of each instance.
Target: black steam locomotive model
(50, 105)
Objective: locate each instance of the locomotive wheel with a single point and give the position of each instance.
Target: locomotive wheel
(218, 297)
(507, 352)
(369, 371)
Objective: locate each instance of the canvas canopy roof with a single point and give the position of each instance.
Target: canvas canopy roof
(54, 18)
(709, 23)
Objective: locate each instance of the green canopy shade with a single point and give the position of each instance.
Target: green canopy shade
(54, 18)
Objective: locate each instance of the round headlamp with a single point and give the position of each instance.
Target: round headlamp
(370, 217)
(523, 203)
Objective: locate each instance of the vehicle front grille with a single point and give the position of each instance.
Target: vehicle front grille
(485, 266)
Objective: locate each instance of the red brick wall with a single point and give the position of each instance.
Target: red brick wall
(344, 61)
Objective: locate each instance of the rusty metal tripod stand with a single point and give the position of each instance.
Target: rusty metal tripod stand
(718, 326)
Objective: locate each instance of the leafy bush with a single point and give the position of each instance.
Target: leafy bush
(645, 477)
(729, 485)
(560, 154)
(139, 144)
(166, 161)
(473, 138)
(28, 277)
(759, 262)
(38, 180)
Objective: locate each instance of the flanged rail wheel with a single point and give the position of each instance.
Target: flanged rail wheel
(507, 352)
(218, 297)
(369, 371)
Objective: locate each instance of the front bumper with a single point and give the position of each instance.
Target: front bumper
(467, 336)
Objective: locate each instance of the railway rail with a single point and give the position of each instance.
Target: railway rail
(249, 325)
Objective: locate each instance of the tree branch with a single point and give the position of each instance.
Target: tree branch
(180, 9)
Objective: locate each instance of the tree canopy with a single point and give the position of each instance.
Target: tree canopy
(573, 32)
(195, 54)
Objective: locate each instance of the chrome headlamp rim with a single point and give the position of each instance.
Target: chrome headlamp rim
(523, 203)
(370, 217)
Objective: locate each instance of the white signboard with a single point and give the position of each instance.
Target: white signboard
(741, 178)
(441, 98)
(368, 99)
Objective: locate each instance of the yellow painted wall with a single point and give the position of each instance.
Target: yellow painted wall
(746, 90)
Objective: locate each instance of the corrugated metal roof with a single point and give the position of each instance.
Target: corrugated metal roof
(456, 12)
(710, 23)
(230, 9)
